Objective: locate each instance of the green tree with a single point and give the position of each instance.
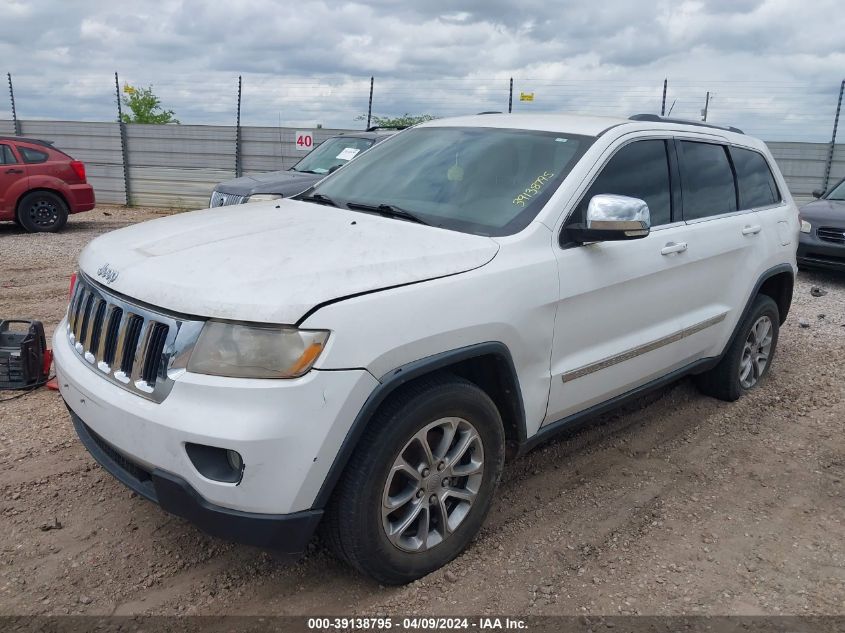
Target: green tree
(405, 120)
(145, 107)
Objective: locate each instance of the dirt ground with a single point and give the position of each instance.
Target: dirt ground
(678, 505)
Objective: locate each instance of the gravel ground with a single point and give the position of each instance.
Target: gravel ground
(678, 504)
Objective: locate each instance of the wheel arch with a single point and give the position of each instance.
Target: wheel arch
(777, 282)
(488, 365)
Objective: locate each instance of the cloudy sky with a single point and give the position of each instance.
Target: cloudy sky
(772, 66)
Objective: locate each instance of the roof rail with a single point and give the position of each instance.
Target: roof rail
(656, 118)
(26, 139)
(376, 128)
(491, 112)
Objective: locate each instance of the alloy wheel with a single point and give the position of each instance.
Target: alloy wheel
(432, 484)
(756, 352)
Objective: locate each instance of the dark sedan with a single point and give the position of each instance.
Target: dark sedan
(822, 240)
(325, 158)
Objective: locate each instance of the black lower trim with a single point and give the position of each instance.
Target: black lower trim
(404, 374)
(580, 419)
(286, 534)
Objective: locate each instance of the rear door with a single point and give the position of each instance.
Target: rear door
(11, 172)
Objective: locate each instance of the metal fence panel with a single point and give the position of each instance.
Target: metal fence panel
(178, 165)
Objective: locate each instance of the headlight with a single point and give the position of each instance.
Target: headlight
(255, 351)
(262, 197)
(806, 227)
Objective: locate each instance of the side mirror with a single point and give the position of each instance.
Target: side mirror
(612, 218)
(818, 193)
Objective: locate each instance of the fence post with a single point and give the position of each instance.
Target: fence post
(370, 106)
(663, 104)
(510, 97)
(833, 138)
(238, 164)
(124, 148)
(15, 121)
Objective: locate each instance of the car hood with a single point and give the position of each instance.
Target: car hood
(273, 262)
(824, 211)
(285, 183)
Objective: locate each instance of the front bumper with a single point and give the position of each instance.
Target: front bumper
(287, 534)
(816, 253)
(288, 433)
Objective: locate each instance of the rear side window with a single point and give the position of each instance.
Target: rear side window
(6, 155)
(638, 170)
(707, 181)
(757, 187)
(32, 155)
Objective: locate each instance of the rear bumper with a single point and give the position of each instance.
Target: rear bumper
(286, 534)
(80, 198)
(816, 253)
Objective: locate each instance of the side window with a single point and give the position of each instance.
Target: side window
(639, 170)
(32, 155)
(707, 180)
(757, 187)
(6, 155)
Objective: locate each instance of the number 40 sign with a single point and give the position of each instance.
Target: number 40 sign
(304, 140)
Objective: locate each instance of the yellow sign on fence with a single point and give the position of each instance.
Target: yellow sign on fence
(526, 96)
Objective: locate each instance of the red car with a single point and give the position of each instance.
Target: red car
(40, 185)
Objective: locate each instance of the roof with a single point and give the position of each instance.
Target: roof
(26, 139)
(585, 124)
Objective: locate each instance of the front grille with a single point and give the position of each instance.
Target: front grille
(830, 234)
(220, 199)
(126, 343)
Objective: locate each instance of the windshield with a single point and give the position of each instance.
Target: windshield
(333, 152)
(487, 181)
(838, 192)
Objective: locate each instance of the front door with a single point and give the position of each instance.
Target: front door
(620, 316)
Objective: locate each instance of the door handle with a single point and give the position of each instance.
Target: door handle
(14, 171)
(752, 230)
(673, 247)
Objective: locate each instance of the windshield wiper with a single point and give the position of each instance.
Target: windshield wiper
(319, 198)
(389, 211)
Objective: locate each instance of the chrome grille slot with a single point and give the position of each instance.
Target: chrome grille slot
(130, 345)
(154, 348)
(830, 234)
(131, 334)
(110, 344)
(97, 328)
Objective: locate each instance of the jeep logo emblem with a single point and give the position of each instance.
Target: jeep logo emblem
(107, 273)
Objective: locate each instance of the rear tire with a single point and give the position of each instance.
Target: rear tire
(749, 358)
(402, 511)
(42, 212)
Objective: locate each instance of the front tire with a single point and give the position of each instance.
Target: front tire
(42, 212)
(749, 358)
(420, 483)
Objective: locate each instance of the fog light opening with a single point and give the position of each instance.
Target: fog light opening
(218, 464)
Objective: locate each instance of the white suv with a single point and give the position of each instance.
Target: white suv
(362, 358)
